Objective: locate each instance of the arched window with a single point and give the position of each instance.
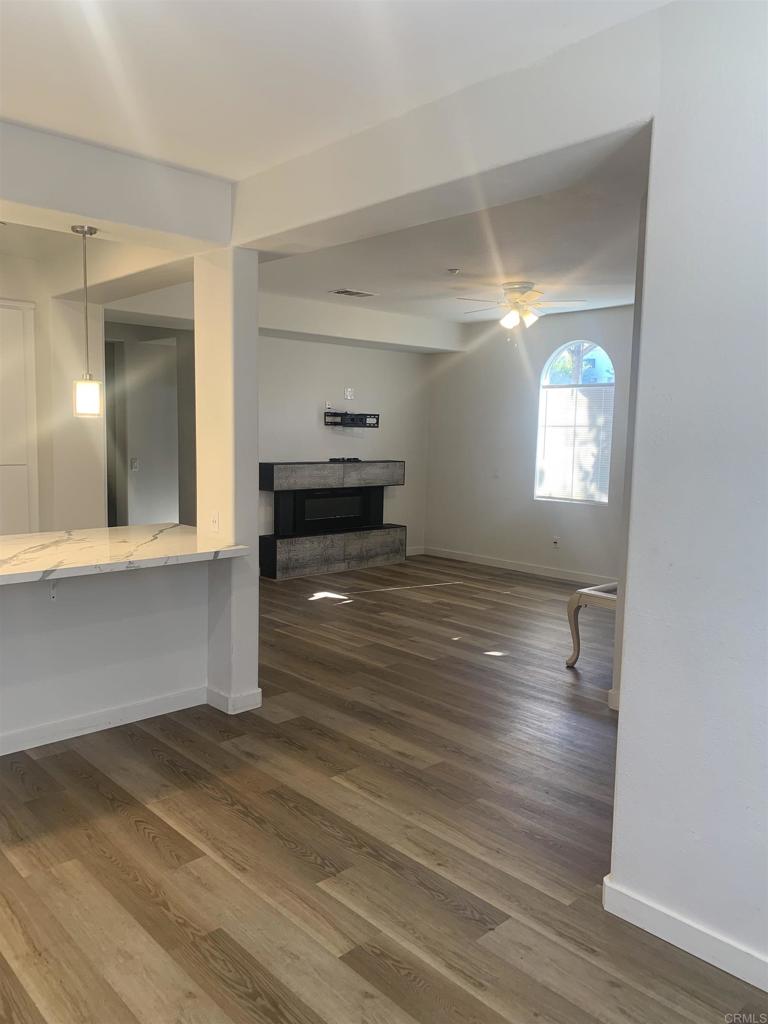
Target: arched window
(573, 453)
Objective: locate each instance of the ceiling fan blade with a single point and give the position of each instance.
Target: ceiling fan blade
(485, 309)
(467, 298)
(556, 302)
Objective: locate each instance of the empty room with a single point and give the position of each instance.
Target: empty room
(383, 487)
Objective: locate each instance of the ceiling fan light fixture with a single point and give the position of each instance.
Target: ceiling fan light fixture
(530, 318)
(510, 319)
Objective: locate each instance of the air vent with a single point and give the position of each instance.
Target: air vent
(351, 293)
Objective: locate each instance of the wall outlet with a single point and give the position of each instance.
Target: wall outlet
(556, 542)
(134, 464)
(215, 522)
(349, 394)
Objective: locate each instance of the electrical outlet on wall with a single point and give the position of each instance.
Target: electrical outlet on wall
(349, 394)
(215, 522)
(556, 542)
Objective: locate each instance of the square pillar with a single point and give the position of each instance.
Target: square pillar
(226, 411)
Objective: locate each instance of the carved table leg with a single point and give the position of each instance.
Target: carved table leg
(574, 607)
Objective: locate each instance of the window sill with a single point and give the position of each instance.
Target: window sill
(573, 501)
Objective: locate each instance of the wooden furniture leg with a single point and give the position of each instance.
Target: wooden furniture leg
(603, 596)
(574, 607)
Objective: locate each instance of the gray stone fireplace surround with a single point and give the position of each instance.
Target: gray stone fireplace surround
(329, 517)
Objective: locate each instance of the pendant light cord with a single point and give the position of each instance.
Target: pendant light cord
(85, 309)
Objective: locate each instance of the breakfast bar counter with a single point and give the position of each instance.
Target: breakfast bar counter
(35, 557)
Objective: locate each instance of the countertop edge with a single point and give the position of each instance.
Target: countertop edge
(102, 568)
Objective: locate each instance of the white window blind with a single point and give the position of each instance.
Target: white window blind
(573, 459)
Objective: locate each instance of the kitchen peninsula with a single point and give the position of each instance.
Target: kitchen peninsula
(36, 557)
(99, 627)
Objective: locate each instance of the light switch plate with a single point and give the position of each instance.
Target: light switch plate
(349, 394)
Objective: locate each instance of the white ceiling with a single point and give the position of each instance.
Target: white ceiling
(577, 243)
(38, 243)
(231, 87)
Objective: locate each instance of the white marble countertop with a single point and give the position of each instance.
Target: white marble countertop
(32, 557)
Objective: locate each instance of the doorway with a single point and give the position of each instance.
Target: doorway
(150, 422)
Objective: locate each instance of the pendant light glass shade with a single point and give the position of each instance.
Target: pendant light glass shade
(512, 319)
(530, 318)
(88, 394)
(88, 397)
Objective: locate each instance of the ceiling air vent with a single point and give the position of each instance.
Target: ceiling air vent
(352, 293)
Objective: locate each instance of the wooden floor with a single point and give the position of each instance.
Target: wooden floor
(413, 829)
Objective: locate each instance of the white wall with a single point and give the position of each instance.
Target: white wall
(482, 453)
(78, 445)
(296, 378)
(690, 855)
(19, 278)
(152, 432)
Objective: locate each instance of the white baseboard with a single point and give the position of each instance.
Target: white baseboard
(94, 721)
(414, 551)
(234, 704)
(747, 964)
(550, 571)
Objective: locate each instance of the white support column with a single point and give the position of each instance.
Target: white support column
(226, 333)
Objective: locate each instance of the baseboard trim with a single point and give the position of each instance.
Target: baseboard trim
(414, 551)
(549, 571)
(747, 964)
(95, 721)
(234, 704)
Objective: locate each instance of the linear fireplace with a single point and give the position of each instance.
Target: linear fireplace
(329, 516)
(327, 510)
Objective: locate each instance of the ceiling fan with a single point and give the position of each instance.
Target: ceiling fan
(521, 301)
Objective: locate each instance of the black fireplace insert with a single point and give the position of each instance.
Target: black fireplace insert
(327, 510)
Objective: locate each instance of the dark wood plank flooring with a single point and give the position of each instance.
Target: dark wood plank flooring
(413, 828)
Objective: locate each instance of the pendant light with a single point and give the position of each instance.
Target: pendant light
(88, 392)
